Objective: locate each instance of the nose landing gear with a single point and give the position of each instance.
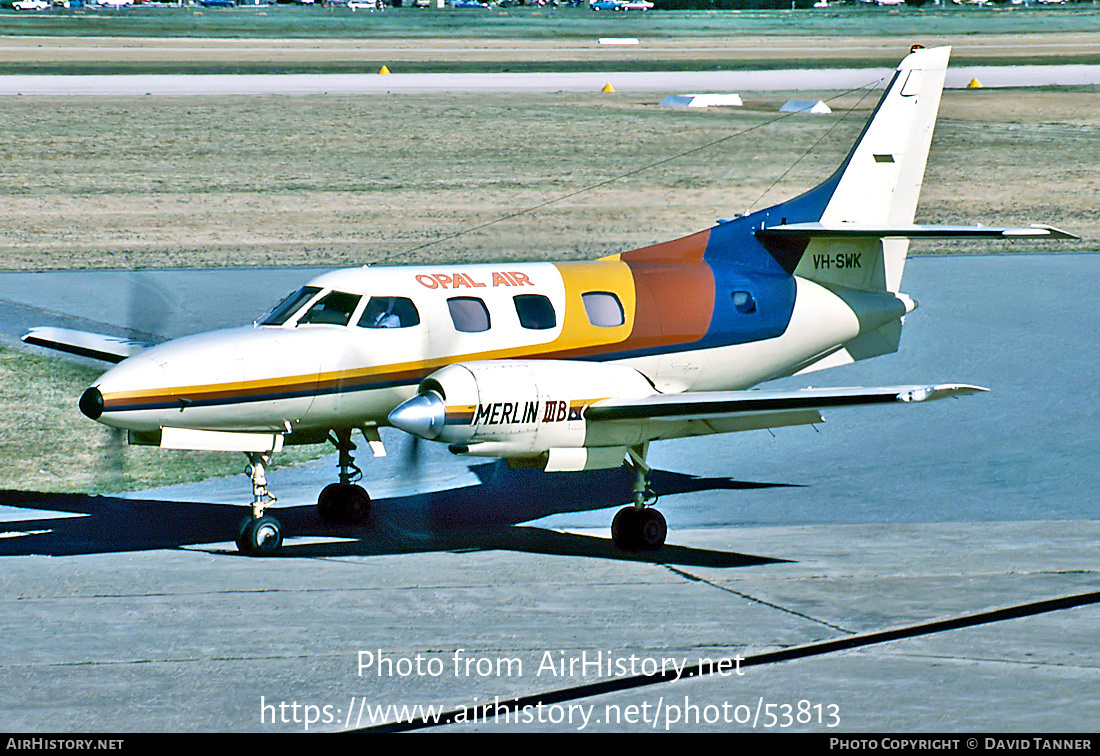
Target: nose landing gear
(343, 503)
(260, 534)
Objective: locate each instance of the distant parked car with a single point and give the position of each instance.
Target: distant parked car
(30, 5)
(365, 5)
(468, 4)
(642, 5)
(600, 5)
(218, 3)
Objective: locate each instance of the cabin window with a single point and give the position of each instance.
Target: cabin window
(469, 314)
(744, 302)
(335, 308)
(535, 311)
(604, 309)
(290, 305)
(389, 312)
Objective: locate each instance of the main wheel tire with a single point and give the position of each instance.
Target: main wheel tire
(652, 530)
(262, 537)
(343, 504)
(638, 529)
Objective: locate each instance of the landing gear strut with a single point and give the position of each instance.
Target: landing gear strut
(639, 527)
(259, 534)
(344, 503)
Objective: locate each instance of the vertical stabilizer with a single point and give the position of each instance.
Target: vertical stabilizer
(827, 234)
(880, 181)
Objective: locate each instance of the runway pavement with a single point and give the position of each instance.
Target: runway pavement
(134, 613)
(626, 81)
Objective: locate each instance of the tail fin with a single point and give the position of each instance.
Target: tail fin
(853, 229)
(880, 181)
(877, 186)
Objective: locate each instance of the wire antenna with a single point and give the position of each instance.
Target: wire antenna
(813, 146)
(635, 172)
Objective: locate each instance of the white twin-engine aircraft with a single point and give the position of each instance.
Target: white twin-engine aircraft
(567, 366)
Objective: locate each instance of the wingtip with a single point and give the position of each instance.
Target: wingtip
(1055, 233)
(959, 389)
(942, 391)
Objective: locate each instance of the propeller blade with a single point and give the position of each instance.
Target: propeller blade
(148, 306)
(412, 458)
(147, 309)
(111, 476)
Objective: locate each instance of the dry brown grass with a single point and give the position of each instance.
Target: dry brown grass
(164, 182)
(478, 50)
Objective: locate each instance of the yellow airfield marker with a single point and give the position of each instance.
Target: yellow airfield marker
(384, 70)
(974, 84)
(608, 88)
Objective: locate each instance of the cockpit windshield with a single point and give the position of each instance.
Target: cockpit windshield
(290, 305)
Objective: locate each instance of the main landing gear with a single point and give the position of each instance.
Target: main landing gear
(343, 503)
(639, 527)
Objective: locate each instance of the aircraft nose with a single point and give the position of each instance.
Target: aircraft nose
(423, 416)
(91, 403)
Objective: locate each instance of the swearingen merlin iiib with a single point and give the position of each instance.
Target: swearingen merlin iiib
(567, 366)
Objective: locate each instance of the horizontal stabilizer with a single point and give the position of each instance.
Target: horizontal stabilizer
(93, 345)
(721, 404)
(860, 231)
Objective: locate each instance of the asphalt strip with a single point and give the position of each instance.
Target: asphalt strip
(624, 81)
(463, 714)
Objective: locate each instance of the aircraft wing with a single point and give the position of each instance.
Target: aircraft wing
(93, 345)
(757, 404)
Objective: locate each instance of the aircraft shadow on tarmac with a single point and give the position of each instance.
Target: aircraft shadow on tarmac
(484, 516)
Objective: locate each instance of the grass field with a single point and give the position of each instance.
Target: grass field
(314, 39)
(291, 21)
(146, 182)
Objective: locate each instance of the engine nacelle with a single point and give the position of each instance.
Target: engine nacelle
(520, 409)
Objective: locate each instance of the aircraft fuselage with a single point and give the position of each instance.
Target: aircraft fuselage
(698, 326)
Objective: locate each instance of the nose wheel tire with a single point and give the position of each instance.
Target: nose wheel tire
(260, 537)
(343, 504)
(636, 529)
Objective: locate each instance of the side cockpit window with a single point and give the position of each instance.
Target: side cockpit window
(535, 311)
(604, 309)
(469, 314)
(389, 312)
(290, 306)
(335, 308)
